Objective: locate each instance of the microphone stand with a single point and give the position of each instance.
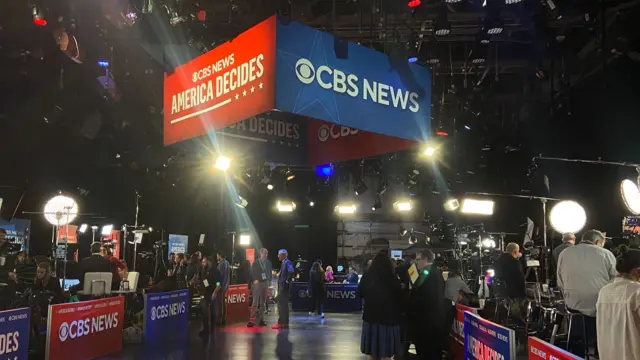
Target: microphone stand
(543, 200)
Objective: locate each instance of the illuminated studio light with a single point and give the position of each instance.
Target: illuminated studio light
(488, 243)
(412, 59)
(39, 17)
(429, 151)
(245, 239)
(241, 202)
(289, 175)
(376, 205)
(312, 204)
(106, 230)
(451, 205)
(285, 206)
(511, 2)
(83, 228)
(223, 163)
(477, 207)
(103, 63)
(402, 205)
(324, 170)
(412, 4)
(346, 209)
(269, 187)
(60, 210)
(631, 196)
(567, 216)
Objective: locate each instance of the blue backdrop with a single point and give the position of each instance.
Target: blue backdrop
(14, 334)
(486, 340)
(166, 317)
(341, 298)
(320, 76)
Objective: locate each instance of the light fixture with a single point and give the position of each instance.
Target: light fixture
(402, 205)
(361, 188)
(103, 63)
(442, 26)
(289, 175)
(106, 230)
(83, 228)
(312, 204)
(241, 202)
(567, 216)
(479, 54)
(346, 209)
(630, 196)
(493, 25)
(429, 151)
(60, 210)
(39, 17)
(488, 243)
(222, 163)
(269, 187)
(324, 170)
(245, 239)
(412, 4)
(511, 2)
(285, 206)
(477, 207)
(451, 205)
(377, 204)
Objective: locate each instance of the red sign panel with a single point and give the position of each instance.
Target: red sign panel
(230, 83)
(541, 350)
(250, 255)
(238, 303)
(329, 142)
(85, 330)
(73, 236)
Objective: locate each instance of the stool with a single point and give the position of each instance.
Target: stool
(570, 314)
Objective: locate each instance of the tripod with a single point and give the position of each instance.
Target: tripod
(159, 258)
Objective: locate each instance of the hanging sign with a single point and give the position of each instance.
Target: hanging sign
(178, 244)
(250, 255)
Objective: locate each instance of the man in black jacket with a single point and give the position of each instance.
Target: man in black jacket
(426, 308)
(94, 263)
(509, 271)
(210, 289)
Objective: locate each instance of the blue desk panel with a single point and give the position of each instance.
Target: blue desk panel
(341, 298)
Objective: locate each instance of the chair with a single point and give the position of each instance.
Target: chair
(96, 284)
(502, 300)
(568, 315)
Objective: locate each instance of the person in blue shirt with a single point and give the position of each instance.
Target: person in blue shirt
(352, 278)
(285, 276)
(224, 269)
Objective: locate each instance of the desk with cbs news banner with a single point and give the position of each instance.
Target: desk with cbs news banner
(340, 298)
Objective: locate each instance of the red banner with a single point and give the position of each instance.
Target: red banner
(250, 255)
(73, 234)
(541, 350)
(238, 303)
(457, 331)
(329, 142)
(85, 330)
(230, 83)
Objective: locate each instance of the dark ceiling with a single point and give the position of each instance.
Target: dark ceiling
(64, 130)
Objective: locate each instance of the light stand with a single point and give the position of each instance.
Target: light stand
(543, 200)
(94, 228)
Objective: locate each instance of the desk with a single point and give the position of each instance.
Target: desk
(341, 298)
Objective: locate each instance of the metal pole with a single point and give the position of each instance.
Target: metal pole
(66, 250)
(93, 237)
(54, 249)
(544, 239)
(135, 252)
(135, 243)
(233, 247)
(124, 242)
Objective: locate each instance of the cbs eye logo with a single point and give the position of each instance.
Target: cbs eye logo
(305, 71)
(154, 312)
(302, 294)
(63, 333)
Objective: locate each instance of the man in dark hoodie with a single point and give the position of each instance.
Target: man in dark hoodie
(509, 270)
(426, 308)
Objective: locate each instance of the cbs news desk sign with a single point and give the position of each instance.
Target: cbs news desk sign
(340, 298)
(166, 318)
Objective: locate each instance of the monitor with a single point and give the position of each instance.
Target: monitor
(69, 283)
(396, 254)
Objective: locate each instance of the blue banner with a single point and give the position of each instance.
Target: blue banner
(14, 334)
(484, 339)
(166, 317)
(323, 77)
(341, 298)
(178, 244)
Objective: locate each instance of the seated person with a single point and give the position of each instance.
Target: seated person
(94, 263)
(352, 278)
(45, 282)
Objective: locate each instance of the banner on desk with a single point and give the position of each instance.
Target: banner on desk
(230, 83)
(166, 317)
(541, 350)
(457, 330)
(85, 330)
(484, 339)
(326, 78)
(237, 299)
(14, 334)
(339, 298)
(178, 244)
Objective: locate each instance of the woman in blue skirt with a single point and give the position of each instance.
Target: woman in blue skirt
(383, 299)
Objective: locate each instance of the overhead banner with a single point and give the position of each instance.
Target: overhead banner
(542, 350)
(86, 329)
(166, 317)
(326, 78)
(178, 244)
(292, 68)
(484, 339)
(14, 334)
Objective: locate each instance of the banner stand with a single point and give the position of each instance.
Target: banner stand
(15, 327)
(484, 339)
(166, 317)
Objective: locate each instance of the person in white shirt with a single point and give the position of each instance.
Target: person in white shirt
(583, 270)
(618, 311)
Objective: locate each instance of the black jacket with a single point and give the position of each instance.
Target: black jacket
(212, 275)
(93, 263)
(383, 298)
(509, 271)
(426, 300)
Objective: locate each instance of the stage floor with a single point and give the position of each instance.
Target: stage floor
(335, 337)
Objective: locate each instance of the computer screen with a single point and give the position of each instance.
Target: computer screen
(69, 282)
(396, 254)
